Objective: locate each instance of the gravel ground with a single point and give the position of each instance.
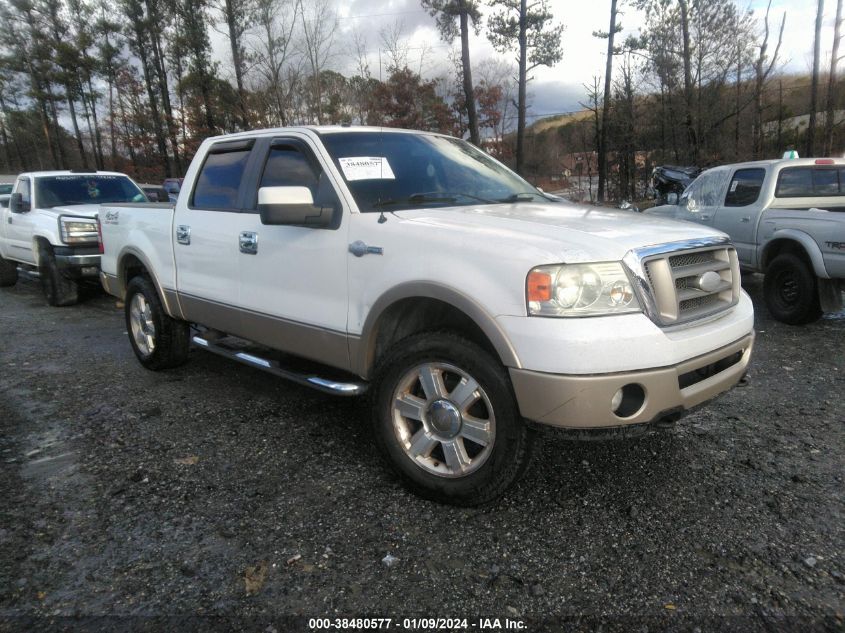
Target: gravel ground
(217, 490)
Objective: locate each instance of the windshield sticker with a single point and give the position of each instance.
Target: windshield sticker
(734, 185)
(366, 168)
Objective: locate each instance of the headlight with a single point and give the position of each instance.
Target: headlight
(78, 230)
(580, 290)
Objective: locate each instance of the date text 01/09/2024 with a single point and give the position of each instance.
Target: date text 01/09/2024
(417, 624)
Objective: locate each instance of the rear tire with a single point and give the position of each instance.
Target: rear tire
(58, 290)
(791, 290)
(158, 340)
(445, 416)
(8, 273)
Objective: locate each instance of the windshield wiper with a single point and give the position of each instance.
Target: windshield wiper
(525, 196)
(430, 197)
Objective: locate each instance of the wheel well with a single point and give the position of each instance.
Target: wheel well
(131, 266)
(422, 314)
(39, 244)
(778, 247)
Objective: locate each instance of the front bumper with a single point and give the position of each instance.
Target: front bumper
(584, 401)
(79, 262)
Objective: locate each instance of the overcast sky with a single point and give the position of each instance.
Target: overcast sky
(557, 89)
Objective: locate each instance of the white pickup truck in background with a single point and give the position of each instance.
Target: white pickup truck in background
(786, 219)
(419, 268)
(49, 228)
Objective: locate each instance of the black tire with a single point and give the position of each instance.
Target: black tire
(8, 273)
(505, 458)
(170, 337)
(791, 290)
(58, 289)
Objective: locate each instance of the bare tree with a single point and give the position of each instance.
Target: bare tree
(831, 82)
(613, 29)
(763, 67)
(814, 87)
(272, 47)
(319, 27)
(238, 15)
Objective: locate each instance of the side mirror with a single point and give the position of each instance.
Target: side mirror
(672, 198)
(292, 206)
(16, 203)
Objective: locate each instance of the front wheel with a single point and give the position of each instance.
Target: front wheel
(58, 290)
(158, 340)
(791, 291)
(445, 416)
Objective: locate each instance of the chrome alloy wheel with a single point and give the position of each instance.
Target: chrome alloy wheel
(443, 419)
(142, 325)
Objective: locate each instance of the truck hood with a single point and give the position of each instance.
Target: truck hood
(78, 210)
(562, 232)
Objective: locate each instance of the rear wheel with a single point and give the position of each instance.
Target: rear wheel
(58, 289)
(446, 418)
(8, 273)
(158, 340)
(791, 290)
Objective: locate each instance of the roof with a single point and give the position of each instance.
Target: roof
(792, 162)
(67, 172)
(320, 129)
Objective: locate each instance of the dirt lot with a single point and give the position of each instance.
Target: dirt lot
(216, 490)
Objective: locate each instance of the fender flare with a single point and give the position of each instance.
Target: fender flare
(807, 243)
(362, 351)
(168, 298)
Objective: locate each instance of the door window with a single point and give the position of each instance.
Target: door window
(745, 187)
(806, 182)
(220, 179)
(24, 190)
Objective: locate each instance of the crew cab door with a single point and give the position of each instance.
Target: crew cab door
(738, 214)
(18, 227)
(293, 288)
(205, 237)
(703, 197)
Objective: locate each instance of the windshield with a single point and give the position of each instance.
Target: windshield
(395, 170)
(6, 188)
(59, 191)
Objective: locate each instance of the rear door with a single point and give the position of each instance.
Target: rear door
(740, 210)
(205, 237)
(294, 278)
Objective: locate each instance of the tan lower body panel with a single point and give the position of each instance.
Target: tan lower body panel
(584, 402)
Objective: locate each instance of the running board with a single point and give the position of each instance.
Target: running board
(325, 385)
(29, 273)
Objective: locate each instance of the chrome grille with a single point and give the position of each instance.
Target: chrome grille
(684, 284)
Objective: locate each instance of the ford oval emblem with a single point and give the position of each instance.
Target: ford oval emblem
(709, 281)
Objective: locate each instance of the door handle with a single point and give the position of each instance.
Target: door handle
(248, 242)
(745, 219)
(705, 216)
(183, 234)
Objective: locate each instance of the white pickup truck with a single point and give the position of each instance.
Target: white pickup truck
(420, 268)
(49, 228)
(786, 219)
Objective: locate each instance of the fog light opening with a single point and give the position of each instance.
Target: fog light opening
(628, 400)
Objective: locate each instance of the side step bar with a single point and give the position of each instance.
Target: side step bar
(29, 273)
(325, 385)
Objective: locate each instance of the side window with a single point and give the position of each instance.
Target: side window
(220, 178)
(710, 192)
(795, 182)
(288, 166)
(745, 187)
(23, 188)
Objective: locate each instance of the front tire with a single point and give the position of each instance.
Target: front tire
(8, 273)
(58, 290)
(445, 416)
(158, 340)
(791, 291)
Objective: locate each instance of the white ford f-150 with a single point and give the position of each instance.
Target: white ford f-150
(49, 228)
(421, 269)
(786, 219)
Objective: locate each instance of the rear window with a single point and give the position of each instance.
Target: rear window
(58, 191)
(745, 187)
(809, 182)
(219, 180)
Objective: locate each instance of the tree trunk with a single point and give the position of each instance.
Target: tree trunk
(814, 87)
(159, 132)
(605, 113)
(523, 79)
(831, 82)
(237, 61)
(469, 92)
(692, 141)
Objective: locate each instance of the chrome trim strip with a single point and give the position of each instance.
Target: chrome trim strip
(78, 260)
